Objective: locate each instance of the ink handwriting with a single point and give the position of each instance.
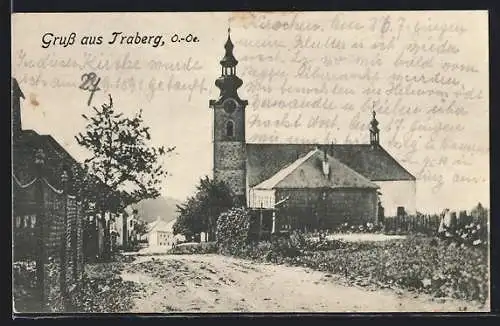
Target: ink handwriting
(90, 83)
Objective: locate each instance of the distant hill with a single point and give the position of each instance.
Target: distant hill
(150, 209)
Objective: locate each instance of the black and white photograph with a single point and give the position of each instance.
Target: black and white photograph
(250, 162)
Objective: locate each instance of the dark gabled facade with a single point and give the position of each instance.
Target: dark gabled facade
(373, 162)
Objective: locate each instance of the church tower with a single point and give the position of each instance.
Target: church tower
(229, 127)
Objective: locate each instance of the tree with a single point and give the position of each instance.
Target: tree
(480, 213)
(199, 213)
(124, 167)
(141, 228)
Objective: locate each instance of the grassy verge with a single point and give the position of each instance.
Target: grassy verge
(194, 248)
(103, 290)
(417, 263)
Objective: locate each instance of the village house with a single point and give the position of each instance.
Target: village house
(309, 185)
(35, 157)
(160, 234)
(123, 228)
(58, 166)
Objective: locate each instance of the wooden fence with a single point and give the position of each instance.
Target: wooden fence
(47, 231)
(427, 224)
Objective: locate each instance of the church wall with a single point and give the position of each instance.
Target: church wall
(397, 193)
(307, 207)
(235, 179)
(229, 155)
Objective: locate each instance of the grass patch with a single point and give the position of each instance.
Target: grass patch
(417, 263)
(194, 248)
(103, 290)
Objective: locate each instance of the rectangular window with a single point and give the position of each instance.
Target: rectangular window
(18, 221)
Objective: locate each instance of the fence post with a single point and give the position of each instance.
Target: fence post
(64, 245)
(76, 228)
(40, 220)
(260, 222)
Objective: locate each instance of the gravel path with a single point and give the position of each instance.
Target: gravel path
(213, 283)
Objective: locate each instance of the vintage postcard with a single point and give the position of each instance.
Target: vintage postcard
(294, 162)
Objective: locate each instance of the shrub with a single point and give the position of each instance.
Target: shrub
(24, 290)
(359, 228)
(323, 244)
(421, 264)
(194, 248)
(232, 235)
(25, 293)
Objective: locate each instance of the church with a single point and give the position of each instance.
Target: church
(306, 186)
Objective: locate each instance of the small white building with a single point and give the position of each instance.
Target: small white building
(123, 227)
(160, 234)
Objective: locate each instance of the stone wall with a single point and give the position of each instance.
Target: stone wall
(235, 179)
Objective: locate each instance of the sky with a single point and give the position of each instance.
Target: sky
(301, 75)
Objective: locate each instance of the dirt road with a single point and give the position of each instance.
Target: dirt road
(213, 283)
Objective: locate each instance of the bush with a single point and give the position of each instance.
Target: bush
(24, 292)
(472, 234)
(194, 248)
(359, 228)
(421, 264)
(232, 235)
(323, 244)
(418, 263)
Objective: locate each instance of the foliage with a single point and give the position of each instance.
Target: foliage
(199, 213)
(471, 234)
(24, 293)
(121, 157)
(322, 243)
(141, 227)
(194, 248)
(359, 228)
(103, 290)
(420, 264)
(123, 168)
(288, 245)
(233, 229)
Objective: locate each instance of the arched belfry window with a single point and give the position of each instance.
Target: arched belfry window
(230, 128)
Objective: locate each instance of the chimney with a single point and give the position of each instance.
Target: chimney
(16, 95)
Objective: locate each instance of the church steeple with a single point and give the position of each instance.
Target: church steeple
(229, 61)
(374, 130)
(228, 82)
